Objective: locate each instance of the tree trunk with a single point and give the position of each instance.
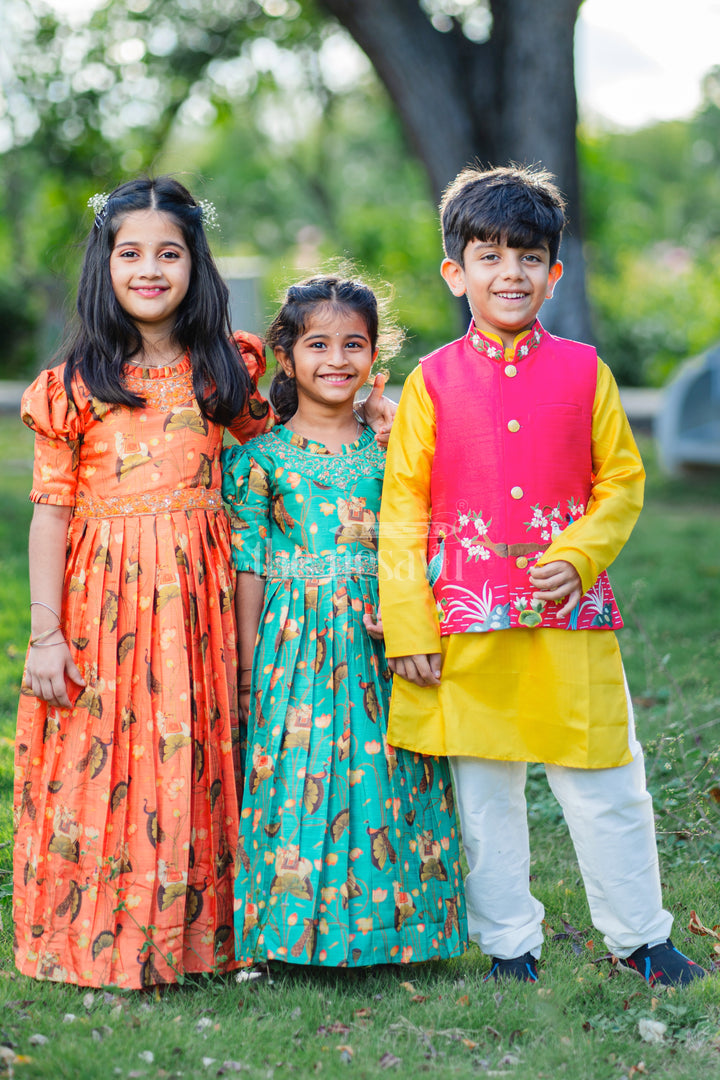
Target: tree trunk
(508, 99)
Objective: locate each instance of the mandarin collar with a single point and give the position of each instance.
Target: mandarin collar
(492, 347)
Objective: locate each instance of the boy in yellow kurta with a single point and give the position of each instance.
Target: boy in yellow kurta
(512, 482)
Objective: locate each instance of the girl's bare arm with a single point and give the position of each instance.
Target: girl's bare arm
(49, 662)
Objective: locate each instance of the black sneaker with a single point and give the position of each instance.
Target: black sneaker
(523, 968)
(663, 964)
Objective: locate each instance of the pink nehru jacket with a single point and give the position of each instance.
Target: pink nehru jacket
(512, 469)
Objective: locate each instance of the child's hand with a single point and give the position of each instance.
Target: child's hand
(557, 580)
(379, 411)
(374, 626)
(423, 669)
(46, 671)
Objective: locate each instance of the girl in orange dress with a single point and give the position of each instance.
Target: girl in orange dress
(127, 741)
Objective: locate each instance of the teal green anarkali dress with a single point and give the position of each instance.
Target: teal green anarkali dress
(348, 850)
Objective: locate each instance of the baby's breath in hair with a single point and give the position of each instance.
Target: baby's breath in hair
(98, 201)
(210, 217)
(98, 204)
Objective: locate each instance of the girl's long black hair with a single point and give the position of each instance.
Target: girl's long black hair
(322, 290)
(105, 338)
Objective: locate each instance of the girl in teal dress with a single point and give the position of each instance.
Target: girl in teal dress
(348, 852)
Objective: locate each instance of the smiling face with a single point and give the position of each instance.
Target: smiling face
(331, 359)
(505, 286)
(150, 267)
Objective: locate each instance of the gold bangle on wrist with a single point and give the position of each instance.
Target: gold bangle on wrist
(45, 634)
(41, 603)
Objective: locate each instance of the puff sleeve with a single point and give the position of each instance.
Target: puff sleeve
(246, 491)
(53, 416)
(257, 416)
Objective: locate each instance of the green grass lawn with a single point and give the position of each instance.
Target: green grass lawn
(582, 1021)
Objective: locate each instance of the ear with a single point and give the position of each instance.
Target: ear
(285, 361)
(554, 276)
(454, 276)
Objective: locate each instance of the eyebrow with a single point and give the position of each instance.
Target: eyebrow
(163, 243)
(544, 246)
(326, 334)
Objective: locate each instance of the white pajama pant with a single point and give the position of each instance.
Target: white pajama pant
(610, 817)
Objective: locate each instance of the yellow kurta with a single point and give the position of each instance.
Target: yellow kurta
(547, 695)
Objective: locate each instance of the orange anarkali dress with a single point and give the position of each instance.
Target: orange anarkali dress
(126, 804)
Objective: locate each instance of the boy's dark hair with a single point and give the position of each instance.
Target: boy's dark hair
(105, 339)
(301, 300)
(515, 205)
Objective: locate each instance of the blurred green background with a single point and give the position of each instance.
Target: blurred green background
(270, 109)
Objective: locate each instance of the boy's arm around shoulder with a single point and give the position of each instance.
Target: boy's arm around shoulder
(406, 599)
(592, 542)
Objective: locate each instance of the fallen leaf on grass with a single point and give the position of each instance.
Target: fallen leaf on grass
(389, 1061)
(336, 1028)
(605, 956)
(362, 1014)
(468, 1043)
(464, 1000)
(418, 999)
(408, 986)
(696, 927)
(574, 936)
(635, 1069)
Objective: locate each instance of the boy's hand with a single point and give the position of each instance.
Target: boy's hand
(423, 669)
(557, 580)
(378, 411)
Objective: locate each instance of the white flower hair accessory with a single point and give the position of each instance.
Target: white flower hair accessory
(98, 204)
(210, 217)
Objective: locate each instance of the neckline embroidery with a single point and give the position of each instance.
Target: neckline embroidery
(494, 350)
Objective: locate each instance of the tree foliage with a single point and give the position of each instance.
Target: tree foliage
(271, 110)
